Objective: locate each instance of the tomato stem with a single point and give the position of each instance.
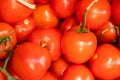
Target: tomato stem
(117, 29)
(82, 27)
(25, 3)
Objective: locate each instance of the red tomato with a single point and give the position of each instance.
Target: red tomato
(63, 8)
(49, 76)
(24, 28)
(105, 64)
(44, 16)
(78, 47)
(107, 33)
(77, 72)
(59, 66)
(30, 61)
(7, 39)
(50, 38)
(12, 11)
(2, 76)
(115, 7)
(41, 1)
(68, 23)
(98, 14)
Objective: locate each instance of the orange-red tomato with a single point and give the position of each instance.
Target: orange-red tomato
(105, 64)
(44, 16)
(77, 72)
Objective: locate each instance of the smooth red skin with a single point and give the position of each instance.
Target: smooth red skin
(78, 47)
(24, 28)
(44, 17)
(30, 61)
(68, 23)
(107, 33)
(63, 8)
(59, 66)
(97, 15)
(7, 30)
(105, 63)
(12, 11)
(49, 76)
(41, 1)
(51, 37)
(115, 6)
(77, 72)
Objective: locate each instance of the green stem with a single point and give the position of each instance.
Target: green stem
(117, 29)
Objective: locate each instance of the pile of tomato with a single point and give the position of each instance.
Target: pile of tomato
(59, 40)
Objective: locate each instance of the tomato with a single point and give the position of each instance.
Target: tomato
(50, 38)
(24, 28)
(2, 76)
(49, 76)
(98, 14)
(115, 6)
(7, 39)
(12, 11)
(77, 72)
(67, 7)
(68, 23)
(78, 47)
(44, 16)
(107, 33)
(58, 67)
(41, 1)
(30, 61)
(105, 63)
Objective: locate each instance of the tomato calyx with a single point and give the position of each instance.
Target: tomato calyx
(23, 2)
(82, 26)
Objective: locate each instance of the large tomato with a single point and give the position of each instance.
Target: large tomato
(78, 47)
(77, 72)
(63, 8)
(44, 16)
(115, 7)
(98, 14)
(12, 11)
(7, 39)
(50, 38)
(30, 61)
(105, 64)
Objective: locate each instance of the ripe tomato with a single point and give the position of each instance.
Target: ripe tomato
(30, 61)
(2, 76)
(41, 1)
(67, 7)
(107, 33)
(77, 72)
(68, 23)
(24, 28)
(7, 39)
(44, 16)
(12, 11)
(49, 76)
(98, 14)
(59, 66)
(78, 47)
(115, 7)
(105, 64)
(50, 38)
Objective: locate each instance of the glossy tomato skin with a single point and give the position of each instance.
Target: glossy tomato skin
(99, 13)
(12, 11)
(107, 33)
(63, 8)
(41, 1)
(44, 16)
(24, 28)
(6, 31)
(105, 63)
(30, 61)
(50, 37)
(77, 72)
(78, 47)
(115, 6)
(49, 76)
